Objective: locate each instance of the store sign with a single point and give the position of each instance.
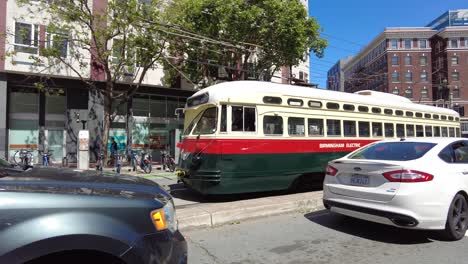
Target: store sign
(83, 137)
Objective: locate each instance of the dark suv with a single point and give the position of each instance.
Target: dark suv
(51, 215)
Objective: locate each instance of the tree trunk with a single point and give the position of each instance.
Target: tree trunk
(106, 123)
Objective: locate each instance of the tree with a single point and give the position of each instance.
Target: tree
(243, 38)
(119, 42)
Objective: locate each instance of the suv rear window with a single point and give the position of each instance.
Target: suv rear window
(400, 151)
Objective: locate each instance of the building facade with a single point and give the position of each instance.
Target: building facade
(50, 118)
(426, 64)
(335, 76)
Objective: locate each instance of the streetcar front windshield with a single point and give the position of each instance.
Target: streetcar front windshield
(207, 122)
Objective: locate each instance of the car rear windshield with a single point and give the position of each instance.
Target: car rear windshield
(400, 151)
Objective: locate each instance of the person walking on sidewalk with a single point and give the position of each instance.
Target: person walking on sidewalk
(114, 149)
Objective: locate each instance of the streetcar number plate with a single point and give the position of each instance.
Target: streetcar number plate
(358, 179)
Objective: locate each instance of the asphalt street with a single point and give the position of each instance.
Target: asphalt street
(319, 237)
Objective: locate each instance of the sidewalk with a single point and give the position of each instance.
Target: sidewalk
(215, 214)
(191, 213)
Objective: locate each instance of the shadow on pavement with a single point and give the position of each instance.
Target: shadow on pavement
(179, 191)
(369, 230)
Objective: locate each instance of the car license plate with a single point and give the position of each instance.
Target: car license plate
(359, 179)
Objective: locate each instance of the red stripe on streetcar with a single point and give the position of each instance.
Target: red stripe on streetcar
(270, 146)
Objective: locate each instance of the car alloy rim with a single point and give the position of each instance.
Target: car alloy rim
(459, 215)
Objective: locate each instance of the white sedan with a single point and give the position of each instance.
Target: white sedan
(419, 183)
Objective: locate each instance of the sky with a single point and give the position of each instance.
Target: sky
(349, 25)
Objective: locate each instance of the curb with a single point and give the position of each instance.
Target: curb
(216, 214)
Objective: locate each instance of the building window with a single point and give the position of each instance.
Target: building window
(423, 76)
(409, 92)
(422, 44)
(408, 60)
(58, 41)
(396, 91)
(456, 92)
(424, 93)
(26, 37)
(423, 60)
(454, 60)
(455, 76)
(407, 43)
(395, 77)
(394, 44)
(395, 60)
(408, 77)
(454, 43)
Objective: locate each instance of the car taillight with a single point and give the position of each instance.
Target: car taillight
(330, 171)
(408, 176)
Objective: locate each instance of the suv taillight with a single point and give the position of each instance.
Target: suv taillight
(331, 171)
(408, 176)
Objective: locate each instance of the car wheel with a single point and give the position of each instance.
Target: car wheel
(457, 221)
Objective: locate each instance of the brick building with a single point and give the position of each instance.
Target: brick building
(428, 64)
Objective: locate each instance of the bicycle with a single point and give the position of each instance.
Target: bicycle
(167, 161)
(99, 162)
(23, 158)
(144, 162)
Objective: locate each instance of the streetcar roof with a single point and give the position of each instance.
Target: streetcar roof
(238, 91)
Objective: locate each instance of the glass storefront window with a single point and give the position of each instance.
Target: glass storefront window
(158, 106)
(141, 105)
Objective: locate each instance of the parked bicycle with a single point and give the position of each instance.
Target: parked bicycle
(23, 158)
(144, 162)
(100, 162)
(167, 161)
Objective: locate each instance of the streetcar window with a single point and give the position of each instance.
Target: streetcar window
(410, 130)
(207, 122)
(272, 100)
(389, 130)
(192, 124)
(419, 131)
(376, 129)
(420, 115)
(435, 117)
(427, 115)
(296, 126)
(223, 118)
(450, 118)
(400, 130)
(362, 108)
(443, 117)
(295, 102)
(273, 125)
(398, 112)
(349, 128)
(408, 113)
(437, 131)
(428, 130)
(315, 127)
(388, 111)
(348, 107)
(315, 104)
(333, 106)
(333, 127)
(444, 132)
(457, 119)
(364, 129)
(198, 100)
(451, 132)
(376, 110)
(243, 119)
(458, 132)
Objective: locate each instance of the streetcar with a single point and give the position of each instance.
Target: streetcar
(250, 136)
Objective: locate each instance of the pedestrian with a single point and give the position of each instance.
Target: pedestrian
(114, 151)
